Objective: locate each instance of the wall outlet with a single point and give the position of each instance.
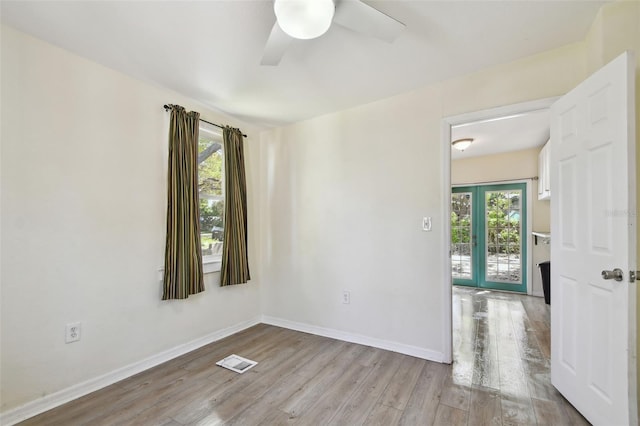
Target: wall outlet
(346, 297)
(72, 332)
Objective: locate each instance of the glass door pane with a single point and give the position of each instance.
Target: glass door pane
(503, 231)
(462, 236)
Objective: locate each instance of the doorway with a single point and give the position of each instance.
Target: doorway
(488, 245)
(448, 124)
(593, 319)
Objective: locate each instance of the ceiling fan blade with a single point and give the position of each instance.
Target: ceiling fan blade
(364, 19)
(277, 44)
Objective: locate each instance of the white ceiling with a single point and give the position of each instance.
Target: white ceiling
(211, 50)
(503, 134)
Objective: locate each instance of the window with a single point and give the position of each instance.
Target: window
(211, 192)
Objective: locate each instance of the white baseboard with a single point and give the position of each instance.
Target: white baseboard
(63, 396)
(402, 348)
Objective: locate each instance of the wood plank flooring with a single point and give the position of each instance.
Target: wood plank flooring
(500, 376)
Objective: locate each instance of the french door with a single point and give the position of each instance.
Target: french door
(488, 241)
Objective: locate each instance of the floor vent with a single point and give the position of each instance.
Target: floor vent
(236, 363)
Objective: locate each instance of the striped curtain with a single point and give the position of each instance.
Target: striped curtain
(183, 260)
(235, 263)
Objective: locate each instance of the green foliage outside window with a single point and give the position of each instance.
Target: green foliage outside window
(460, 229)
(211, 216)
(460, 218)
(503, 222)
(210, 181)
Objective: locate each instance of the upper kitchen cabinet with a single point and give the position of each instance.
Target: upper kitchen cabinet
(544, 168)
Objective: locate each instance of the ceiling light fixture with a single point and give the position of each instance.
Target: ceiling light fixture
(304, 19)
(462, 144)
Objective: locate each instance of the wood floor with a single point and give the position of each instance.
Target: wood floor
(500, 376)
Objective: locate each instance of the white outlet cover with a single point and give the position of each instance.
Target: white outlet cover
(72, 333)
(426, 223)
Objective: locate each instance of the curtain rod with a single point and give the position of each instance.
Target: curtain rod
(168, 107)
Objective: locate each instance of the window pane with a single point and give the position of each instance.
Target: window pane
(210, 187)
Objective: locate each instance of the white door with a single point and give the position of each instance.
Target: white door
(593, 228)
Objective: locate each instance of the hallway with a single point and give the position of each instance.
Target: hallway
(501, 369)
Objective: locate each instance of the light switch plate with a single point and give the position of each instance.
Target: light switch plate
(426, 223)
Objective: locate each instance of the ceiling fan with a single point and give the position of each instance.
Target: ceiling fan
(307, 19)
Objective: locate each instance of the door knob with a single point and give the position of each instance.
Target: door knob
(616, 274)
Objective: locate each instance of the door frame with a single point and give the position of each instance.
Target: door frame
(446, 124)
(527, 277)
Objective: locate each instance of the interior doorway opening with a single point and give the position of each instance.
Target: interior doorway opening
(451, 130)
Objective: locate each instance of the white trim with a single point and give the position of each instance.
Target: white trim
(211, 265)
(63, 396)
(492, 113)
(402, 348)
(214, 133)
(447, 291)
(447, 123)
(633, 225)
(529, 231)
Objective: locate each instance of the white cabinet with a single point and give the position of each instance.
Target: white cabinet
(544, 168)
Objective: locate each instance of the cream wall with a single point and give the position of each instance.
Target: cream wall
(344, 194)
(511, 166)
(84, 152)
(344, 197)
(335, 204)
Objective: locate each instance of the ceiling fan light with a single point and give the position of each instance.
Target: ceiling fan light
(462, 144)
(304, 19)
